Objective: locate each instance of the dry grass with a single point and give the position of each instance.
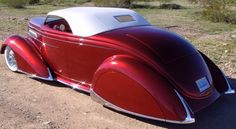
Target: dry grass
(217, 40)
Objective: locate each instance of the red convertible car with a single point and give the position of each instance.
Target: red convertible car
(122, 61)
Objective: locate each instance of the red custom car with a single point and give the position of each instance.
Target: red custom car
(121, 60)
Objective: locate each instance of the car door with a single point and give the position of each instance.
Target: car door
(72, 57)
(54, 47)
(85, 57)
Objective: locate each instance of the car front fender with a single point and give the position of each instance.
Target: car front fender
(28, 57)
(128, 85)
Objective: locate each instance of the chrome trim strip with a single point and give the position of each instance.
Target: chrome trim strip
(49, 78)
(105, 103)
(188, 118)
(44, 44)
(33, 33)
(230, 89)
(74, 87)
(77, 43)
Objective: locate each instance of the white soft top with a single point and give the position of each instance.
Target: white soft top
(88, 21)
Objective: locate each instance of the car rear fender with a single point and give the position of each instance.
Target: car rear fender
(128, 85)
(27, 56)
(221, 83)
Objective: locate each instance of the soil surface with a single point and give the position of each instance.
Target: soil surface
(27, 103)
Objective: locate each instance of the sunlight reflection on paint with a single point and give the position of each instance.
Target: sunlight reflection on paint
(12, 41)
(114, 63)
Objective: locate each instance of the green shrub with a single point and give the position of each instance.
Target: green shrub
(161, 1)
(81, 1)
(113, 3)
(164, 1)
(15, 3)
(51, 1)
(170, 6)
(58, 2)
(31, 2)
(217, 10)
(231, 18)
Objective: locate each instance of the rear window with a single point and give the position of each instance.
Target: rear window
(124, 18)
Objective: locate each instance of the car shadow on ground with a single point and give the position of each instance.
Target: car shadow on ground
(58, 84)
(220, 115)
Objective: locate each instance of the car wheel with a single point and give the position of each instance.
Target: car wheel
(10, 59)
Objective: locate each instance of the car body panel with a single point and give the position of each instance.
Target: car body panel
(221, 83)
(162, 102)
(169, 56)
(27, 56)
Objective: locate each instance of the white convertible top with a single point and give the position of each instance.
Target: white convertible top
(88, 21)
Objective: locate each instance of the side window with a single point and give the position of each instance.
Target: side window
(57, 23)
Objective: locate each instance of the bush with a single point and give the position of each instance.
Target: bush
(81, 1)
(217, 10)
(31, 2)
(170, 6)
(113, 3)
(231, 18)
(161, 1)
(164, 1)
(15, 3)
(51, 1)
(58, 2)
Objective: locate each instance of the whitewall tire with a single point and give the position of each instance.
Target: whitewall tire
(10, 59)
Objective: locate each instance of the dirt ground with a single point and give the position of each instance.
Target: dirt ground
(26, 103)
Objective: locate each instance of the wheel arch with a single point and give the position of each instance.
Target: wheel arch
(28, 58)
(3, 47)
(123, 76)
(221, 83)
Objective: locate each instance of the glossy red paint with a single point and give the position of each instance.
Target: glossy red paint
(171, 56)
(28, 58)
(120, 80)
(143, 70)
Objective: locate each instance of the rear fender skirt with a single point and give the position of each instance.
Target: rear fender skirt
(28, 58)
(221, 83)
(127, 85)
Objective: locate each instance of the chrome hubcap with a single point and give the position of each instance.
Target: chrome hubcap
(10, 59)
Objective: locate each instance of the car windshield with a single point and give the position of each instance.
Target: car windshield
(52, 18)
(58, 24)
